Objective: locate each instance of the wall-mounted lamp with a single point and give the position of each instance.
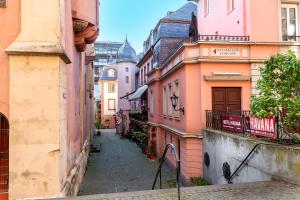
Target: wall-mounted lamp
(174, 100)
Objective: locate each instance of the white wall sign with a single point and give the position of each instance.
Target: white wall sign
(234, 52)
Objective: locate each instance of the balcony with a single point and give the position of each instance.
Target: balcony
(223, 38)
(140, 117)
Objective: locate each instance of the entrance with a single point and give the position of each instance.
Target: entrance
(4, 141)
(226, 98)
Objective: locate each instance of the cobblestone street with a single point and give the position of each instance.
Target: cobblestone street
(120, 167)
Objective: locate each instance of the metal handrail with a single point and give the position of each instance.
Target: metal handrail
(243, 163)
(172, 146)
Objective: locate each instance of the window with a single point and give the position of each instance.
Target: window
(127, 69)
(289, 22)
(230, 6)
(151, 101)
(176, 91)
(111, 104)
(206, 7)
(111, 87)
(127, 79)
(2, 3)
(165, 101)
(170, 107)
(111, 73)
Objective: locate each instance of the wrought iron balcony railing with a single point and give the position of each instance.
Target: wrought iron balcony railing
(223, 38)
(143, 116)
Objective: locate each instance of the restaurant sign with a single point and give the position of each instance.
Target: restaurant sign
(232, 123)
(265, 127)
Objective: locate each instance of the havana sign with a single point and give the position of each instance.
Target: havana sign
(227, 52)
(262, 127)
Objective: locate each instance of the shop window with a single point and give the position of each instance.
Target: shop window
(289, 22)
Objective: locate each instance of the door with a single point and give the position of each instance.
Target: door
(4, 130)
(226, 98)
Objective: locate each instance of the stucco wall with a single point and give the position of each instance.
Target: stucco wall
(10, 24)
(124, 87)
(269, 161)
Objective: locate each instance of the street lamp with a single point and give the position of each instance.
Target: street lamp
(174, 100)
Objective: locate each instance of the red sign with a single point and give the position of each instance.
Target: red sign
(232, 123)
(263, 127)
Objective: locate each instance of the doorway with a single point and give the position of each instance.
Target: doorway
(226, 98)
(4, 148)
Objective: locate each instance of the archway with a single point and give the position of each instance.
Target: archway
(4, 164)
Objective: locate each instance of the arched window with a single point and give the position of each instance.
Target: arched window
(111, 73)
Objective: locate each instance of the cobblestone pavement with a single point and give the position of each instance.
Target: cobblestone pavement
(120, 167)
(246, 191)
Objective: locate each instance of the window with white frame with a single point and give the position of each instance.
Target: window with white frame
(170, 107)
(289, 22)
(111, 87)
(206, 7)
(230, 6)
(177, 93)
(111, 104)
(165, 101)
(151, 106)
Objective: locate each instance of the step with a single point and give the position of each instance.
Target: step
(246, 191)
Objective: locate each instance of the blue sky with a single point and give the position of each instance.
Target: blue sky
(134, 17)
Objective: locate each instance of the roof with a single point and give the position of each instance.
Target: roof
(106, 76)
(173, 30)
(184, 13)
(126, 53)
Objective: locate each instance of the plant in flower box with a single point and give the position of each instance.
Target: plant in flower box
(151, 151)
(107, 123)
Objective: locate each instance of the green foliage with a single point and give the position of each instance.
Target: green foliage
(99, 125)
(199, 181)
(279, 90)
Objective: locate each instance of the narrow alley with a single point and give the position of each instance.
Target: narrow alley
(121, 167)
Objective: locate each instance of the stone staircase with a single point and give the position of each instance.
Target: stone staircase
(246, 191)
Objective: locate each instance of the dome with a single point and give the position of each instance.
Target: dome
(126, 53)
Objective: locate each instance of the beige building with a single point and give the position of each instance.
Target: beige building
(48, 94)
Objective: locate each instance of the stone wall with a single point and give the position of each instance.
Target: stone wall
(270, 161)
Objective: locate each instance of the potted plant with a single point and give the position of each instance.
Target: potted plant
(98, 125)
(107, 123)
(151, 151)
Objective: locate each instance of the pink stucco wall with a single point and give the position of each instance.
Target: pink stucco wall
(10, 24)
(256, 18)
(123, 87)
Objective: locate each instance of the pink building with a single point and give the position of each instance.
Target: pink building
(216, 71)
(46, 101)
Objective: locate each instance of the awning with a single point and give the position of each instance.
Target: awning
(139, 93)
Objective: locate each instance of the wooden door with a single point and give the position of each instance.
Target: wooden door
(4, 130)
(226, 98)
